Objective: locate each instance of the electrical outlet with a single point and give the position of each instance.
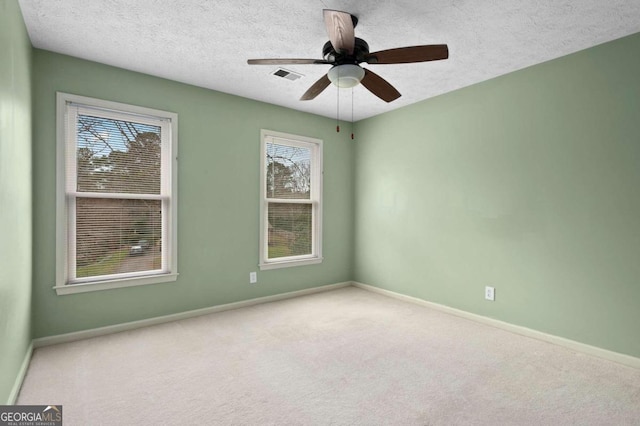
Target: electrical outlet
(253, 278)
(490, 293)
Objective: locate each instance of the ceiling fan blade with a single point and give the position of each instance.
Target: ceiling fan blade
(316, 89)
(284, 61)
(340, 29)
(379, 86)
(405, 55)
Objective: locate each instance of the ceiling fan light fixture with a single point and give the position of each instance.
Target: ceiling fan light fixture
(346, 75)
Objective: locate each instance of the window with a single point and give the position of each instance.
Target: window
(291, 208)
(116, 212)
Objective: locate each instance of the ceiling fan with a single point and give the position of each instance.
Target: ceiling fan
(345, 52)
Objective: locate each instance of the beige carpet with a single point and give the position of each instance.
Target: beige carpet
(345, 357)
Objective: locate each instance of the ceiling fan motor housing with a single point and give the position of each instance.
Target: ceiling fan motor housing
(360, 51)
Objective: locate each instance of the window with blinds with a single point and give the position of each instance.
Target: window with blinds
(291, 182)
(119, 193)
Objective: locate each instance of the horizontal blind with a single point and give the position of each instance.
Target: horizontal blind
(116, 156)
(117, 236)
(289, 186)
(290, 230)
(288, 169)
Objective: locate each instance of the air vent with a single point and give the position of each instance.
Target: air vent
(289, 75)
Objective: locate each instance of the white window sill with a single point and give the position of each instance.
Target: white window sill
(115, 283)
(289, 263)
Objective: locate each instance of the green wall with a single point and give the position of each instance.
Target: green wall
(218, 199)
(529, 182)
(15, 195)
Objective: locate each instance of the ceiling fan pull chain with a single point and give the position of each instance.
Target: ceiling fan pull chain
(352, 113)
(338, 106)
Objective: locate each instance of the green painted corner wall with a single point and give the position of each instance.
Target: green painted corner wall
(218, 198)
(15, 195)
(529, 182)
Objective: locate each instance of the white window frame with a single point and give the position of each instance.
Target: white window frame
(315, 145)
(66, 283)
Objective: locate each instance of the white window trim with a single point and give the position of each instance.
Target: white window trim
(316, 202)
(170, 270)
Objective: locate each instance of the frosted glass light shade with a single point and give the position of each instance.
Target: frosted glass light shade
(347, 75)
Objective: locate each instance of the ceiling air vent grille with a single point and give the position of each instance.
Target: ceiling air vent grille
(289, 75)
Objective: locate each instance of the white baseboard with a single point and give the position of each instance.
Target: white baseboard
(13, 396)
(86, 334)
(561, 341)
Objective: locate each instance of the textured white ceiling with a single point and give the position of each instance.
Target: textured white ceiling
(206, 43)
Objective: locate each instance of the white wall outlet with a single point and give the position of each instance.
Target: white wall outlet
(253, 278)
(490, 293)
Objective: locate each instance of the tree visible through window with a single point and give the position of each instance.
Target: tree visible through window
(289, 177)
(116, 236)
(118, 191)
(291, 185)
